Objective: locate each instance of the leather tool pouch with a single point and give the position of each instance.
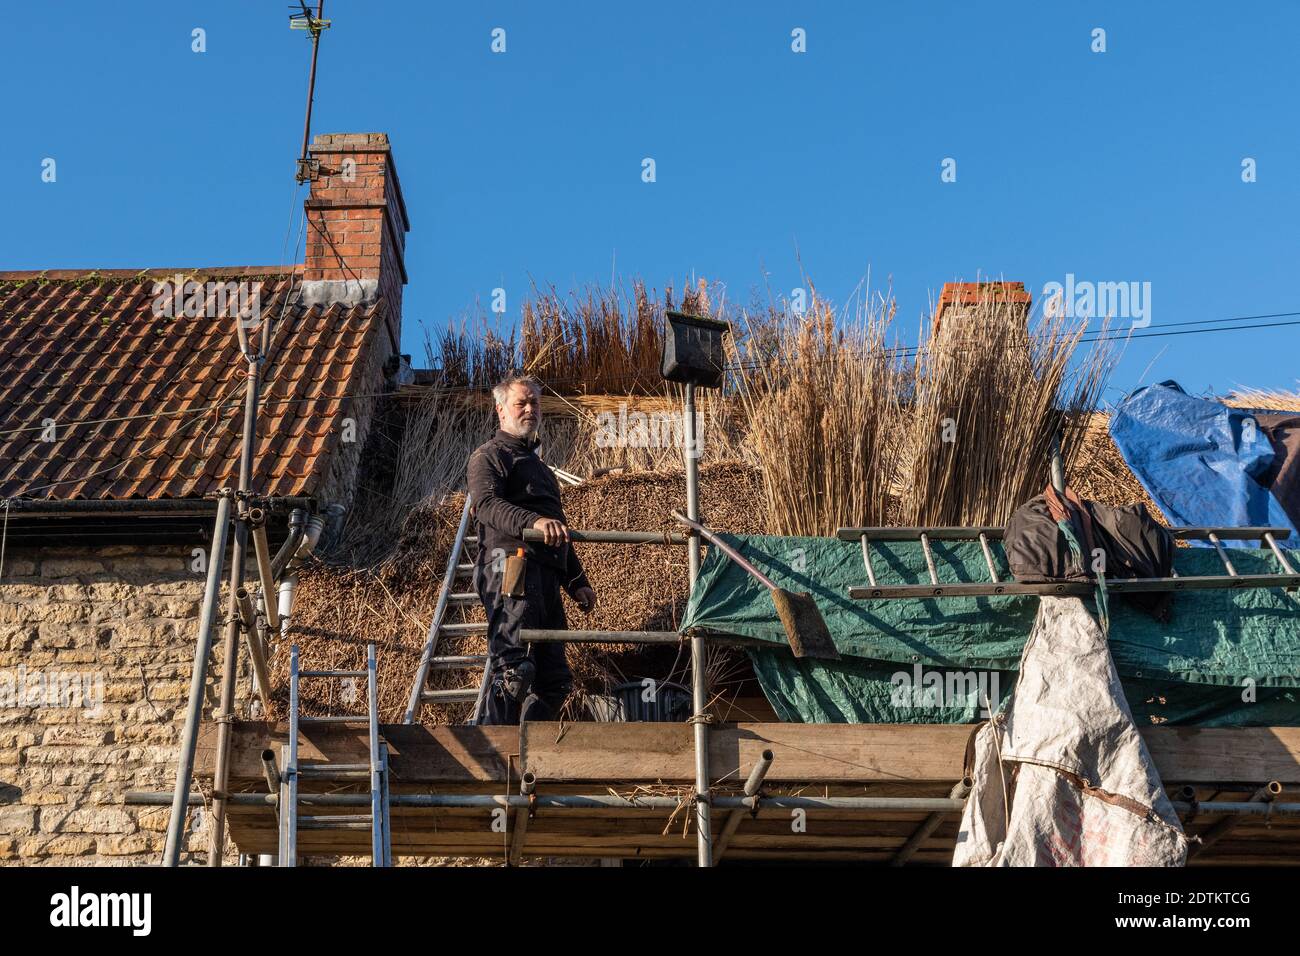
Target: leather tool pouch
(512, 581)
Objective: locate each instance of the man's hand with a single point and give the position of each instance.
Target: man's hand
(553, 531)
(586, 599)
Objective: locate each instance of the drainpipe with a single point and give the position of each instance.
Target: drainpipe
(288, 584)
(297, 522)
(310, 538)
(266, 577)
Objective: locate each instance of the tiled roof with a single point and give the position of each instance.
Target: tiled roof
(130, 395)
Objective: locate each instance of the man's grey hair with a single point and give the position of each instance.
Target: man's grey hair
(501, 391)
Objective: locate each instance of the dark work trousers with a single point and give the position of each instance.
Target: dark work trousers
(541, 607)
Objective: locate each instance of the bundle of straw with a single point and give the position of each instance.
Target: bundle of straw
(987, 398)
(602, 341)
(1272, 400)
(822, 400)
(475, 354)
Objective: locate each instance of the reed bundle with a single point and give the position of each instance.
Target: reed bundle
(988, 395)
(1270, 399)
(822, 402)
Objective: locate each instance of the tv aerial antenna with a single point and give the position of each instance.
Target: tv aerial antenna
(315, 25)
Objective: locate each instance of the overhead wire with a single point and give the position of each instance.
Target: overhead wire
(897, 351)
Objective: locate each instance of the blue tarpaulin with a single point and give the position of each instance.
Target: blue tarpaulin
(1199, 460)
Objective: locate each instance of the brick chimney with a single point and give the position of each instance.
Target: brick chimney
(356, 225)
(959, 299)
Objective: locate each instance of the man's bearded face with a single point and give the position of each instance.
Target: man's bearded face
(521, 415)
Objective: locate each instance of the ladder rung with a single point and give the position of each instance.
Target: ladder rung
(346, 718)
(988, 557)
(462, 660)
(366, 827)
(317, 767)
(342, 771)
(471, 539)
(465, 597)
(340, 775)
(334, 823)
(1223, 555)
(321, 768)
(866, 560)
(465, 568)
(1272, 543)
(461, 695)
(332, 673)
(477, 627)
(929, 557)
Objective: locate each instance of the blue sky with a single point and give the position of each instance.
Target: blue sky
(1122, 166)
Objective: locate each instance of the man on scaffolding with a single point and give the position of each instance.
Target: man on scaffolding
(519, 582)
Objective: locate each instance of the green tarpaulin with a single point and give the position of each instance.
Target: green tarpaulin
(1225, 658)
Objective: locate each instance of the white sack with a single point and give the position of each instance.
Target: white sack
(1082, 788)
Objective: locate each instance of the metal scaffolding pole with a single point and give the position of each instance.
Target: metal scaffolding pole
(699, 676)
(1266, 794)
(753, 785)
(605, 801)
(229, 671)
(931, 823)
(202, 651)
(544, 635)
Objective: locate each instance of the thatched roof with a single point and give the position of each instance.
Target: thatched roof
(1100, 473)
(341, 608)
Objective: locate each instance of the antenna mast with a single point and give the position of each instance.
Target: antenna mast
(315, 25)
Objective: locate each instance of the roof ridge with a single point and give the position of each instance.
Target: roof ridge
(64, 275)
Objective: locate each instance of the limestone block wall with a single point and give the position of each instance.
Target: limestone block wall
(96, 649)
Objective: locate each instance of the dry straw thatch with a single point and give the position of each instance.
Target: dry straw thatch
(1099, 472)
(823, 423)
(340, 609)
(822, 405)
(853, 432)
(1277, 401)
(988, 397)
(601, 341)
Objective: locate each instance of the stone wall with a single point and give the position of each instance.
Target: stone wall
(96, 649)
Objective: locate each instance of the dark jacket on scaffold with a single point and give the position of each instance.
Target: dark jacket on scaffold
(510, 489)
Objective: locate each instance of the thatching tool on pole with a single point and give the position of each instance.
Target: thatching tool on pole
(805, 628)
